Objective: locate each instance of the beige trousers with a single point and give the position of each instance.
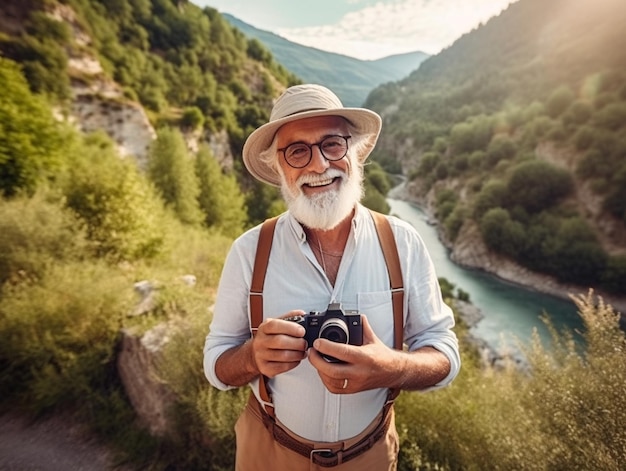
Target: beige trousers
(258, 451)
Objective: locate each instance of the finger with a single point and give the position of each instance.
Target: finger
(295, 313)
(276, 326)
(274, 368)
(368, 333)
(340, 351)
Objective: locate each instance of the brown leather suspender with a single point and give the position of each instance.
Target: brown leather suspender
(264, 246)
(390, 252)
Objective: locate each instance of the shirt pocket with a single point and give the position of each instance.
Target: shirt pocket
(378, 308)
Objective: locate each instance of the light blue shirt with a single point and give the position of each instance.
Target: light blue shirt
(295, 280)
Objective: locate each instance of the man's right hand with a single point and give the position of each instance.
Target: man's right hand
(279, 345)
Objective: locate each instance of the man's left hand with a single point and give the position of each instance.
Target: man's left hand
(372, 365)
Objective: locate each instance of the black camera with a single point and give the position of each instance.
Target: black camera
(334, 324)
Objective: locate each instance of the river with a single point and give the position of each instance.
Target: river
(510, 312)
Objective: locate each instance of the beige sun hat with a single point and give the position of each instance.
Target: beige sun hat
(299, 102)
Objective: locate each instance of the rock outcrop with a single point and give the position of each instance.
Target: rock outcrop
(99, 104)
(137, 366)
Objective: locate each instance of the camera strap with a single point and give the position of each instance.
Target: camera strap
(392, 260)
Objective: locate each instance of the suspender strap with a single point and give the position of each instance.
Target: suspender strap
(392, 260)
(256, 296)
(390, 251)
(262, 257)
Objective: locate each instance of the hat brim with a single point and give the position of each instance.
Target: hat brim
(365, 121)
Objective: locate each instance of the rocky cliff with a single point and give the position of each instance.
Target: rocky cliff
(99, 104)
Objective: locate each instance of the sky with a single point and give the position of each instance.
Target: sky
(365, 29)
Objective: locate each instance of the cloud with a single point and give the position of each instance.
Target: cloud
(398, 26)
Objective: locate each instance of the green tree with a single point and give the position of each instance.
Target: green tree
(263, 201)
(171, 169)
(377, 177)
(192, 118)
(374, 199)
(500, 148)
(574, 252)
(471, 135)
(492, 195)
(578, 113)
(611, 117)
(614, 275)
(121, 211)
(501, 233)
(220, 198)
(36, 232)
(31, 140)
(536, 185)
(258, 52)
(615, 201)
(559, 101)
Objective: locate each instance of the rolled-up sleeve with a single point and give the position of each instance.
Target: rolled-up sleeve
(230, 325)
(429, 321)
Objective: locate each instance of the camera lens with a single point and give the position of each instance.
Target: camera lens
(334, 330)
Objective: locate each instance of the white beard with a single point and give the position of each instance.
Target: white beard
(325, 210)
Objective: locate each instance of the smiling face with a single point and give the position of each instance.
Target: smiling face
(323, 193)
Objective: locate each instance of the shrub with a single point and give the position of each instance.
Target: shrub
(220, 198)
(454, 221)
(565, 412)
(192, 118)
(471, 135)
(615, 201)
(614, 275)
(592, 164)
(427, 163)
(536, 185)
(171, 169)
(35, 234)
(58, 335)
(584, 138)
(501, 233)
(122, 214)
(500, 148)
(611, 117)
(578, 113)
(205, 417)
(492, 195)
(379, 179)
(31, 140)
(559, 101)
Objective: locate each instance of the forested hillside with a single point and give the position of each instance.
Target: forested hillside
(517, 134)
(186, 68)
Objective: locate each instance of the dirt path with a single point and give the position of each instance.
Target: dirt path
(54, 444)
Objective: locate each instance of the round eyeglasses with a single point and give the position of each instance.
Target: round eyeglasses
(298, 154)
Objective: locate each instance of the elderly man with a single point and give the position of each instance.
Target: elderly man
(323, 399)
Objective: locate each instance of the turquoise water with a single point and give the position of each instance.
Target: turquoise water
(511, 312)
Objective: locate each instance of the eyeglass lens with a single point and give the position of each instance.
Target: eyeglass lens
(333, 148)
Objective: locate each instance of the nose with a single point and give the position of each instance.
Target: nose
(318, 162)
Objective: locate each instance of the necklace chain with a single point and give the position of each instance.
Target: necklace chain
(319, 245)
(323, 252)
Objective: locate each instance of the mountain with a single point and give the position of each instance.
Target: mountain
(352, 79)
(515, 138)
